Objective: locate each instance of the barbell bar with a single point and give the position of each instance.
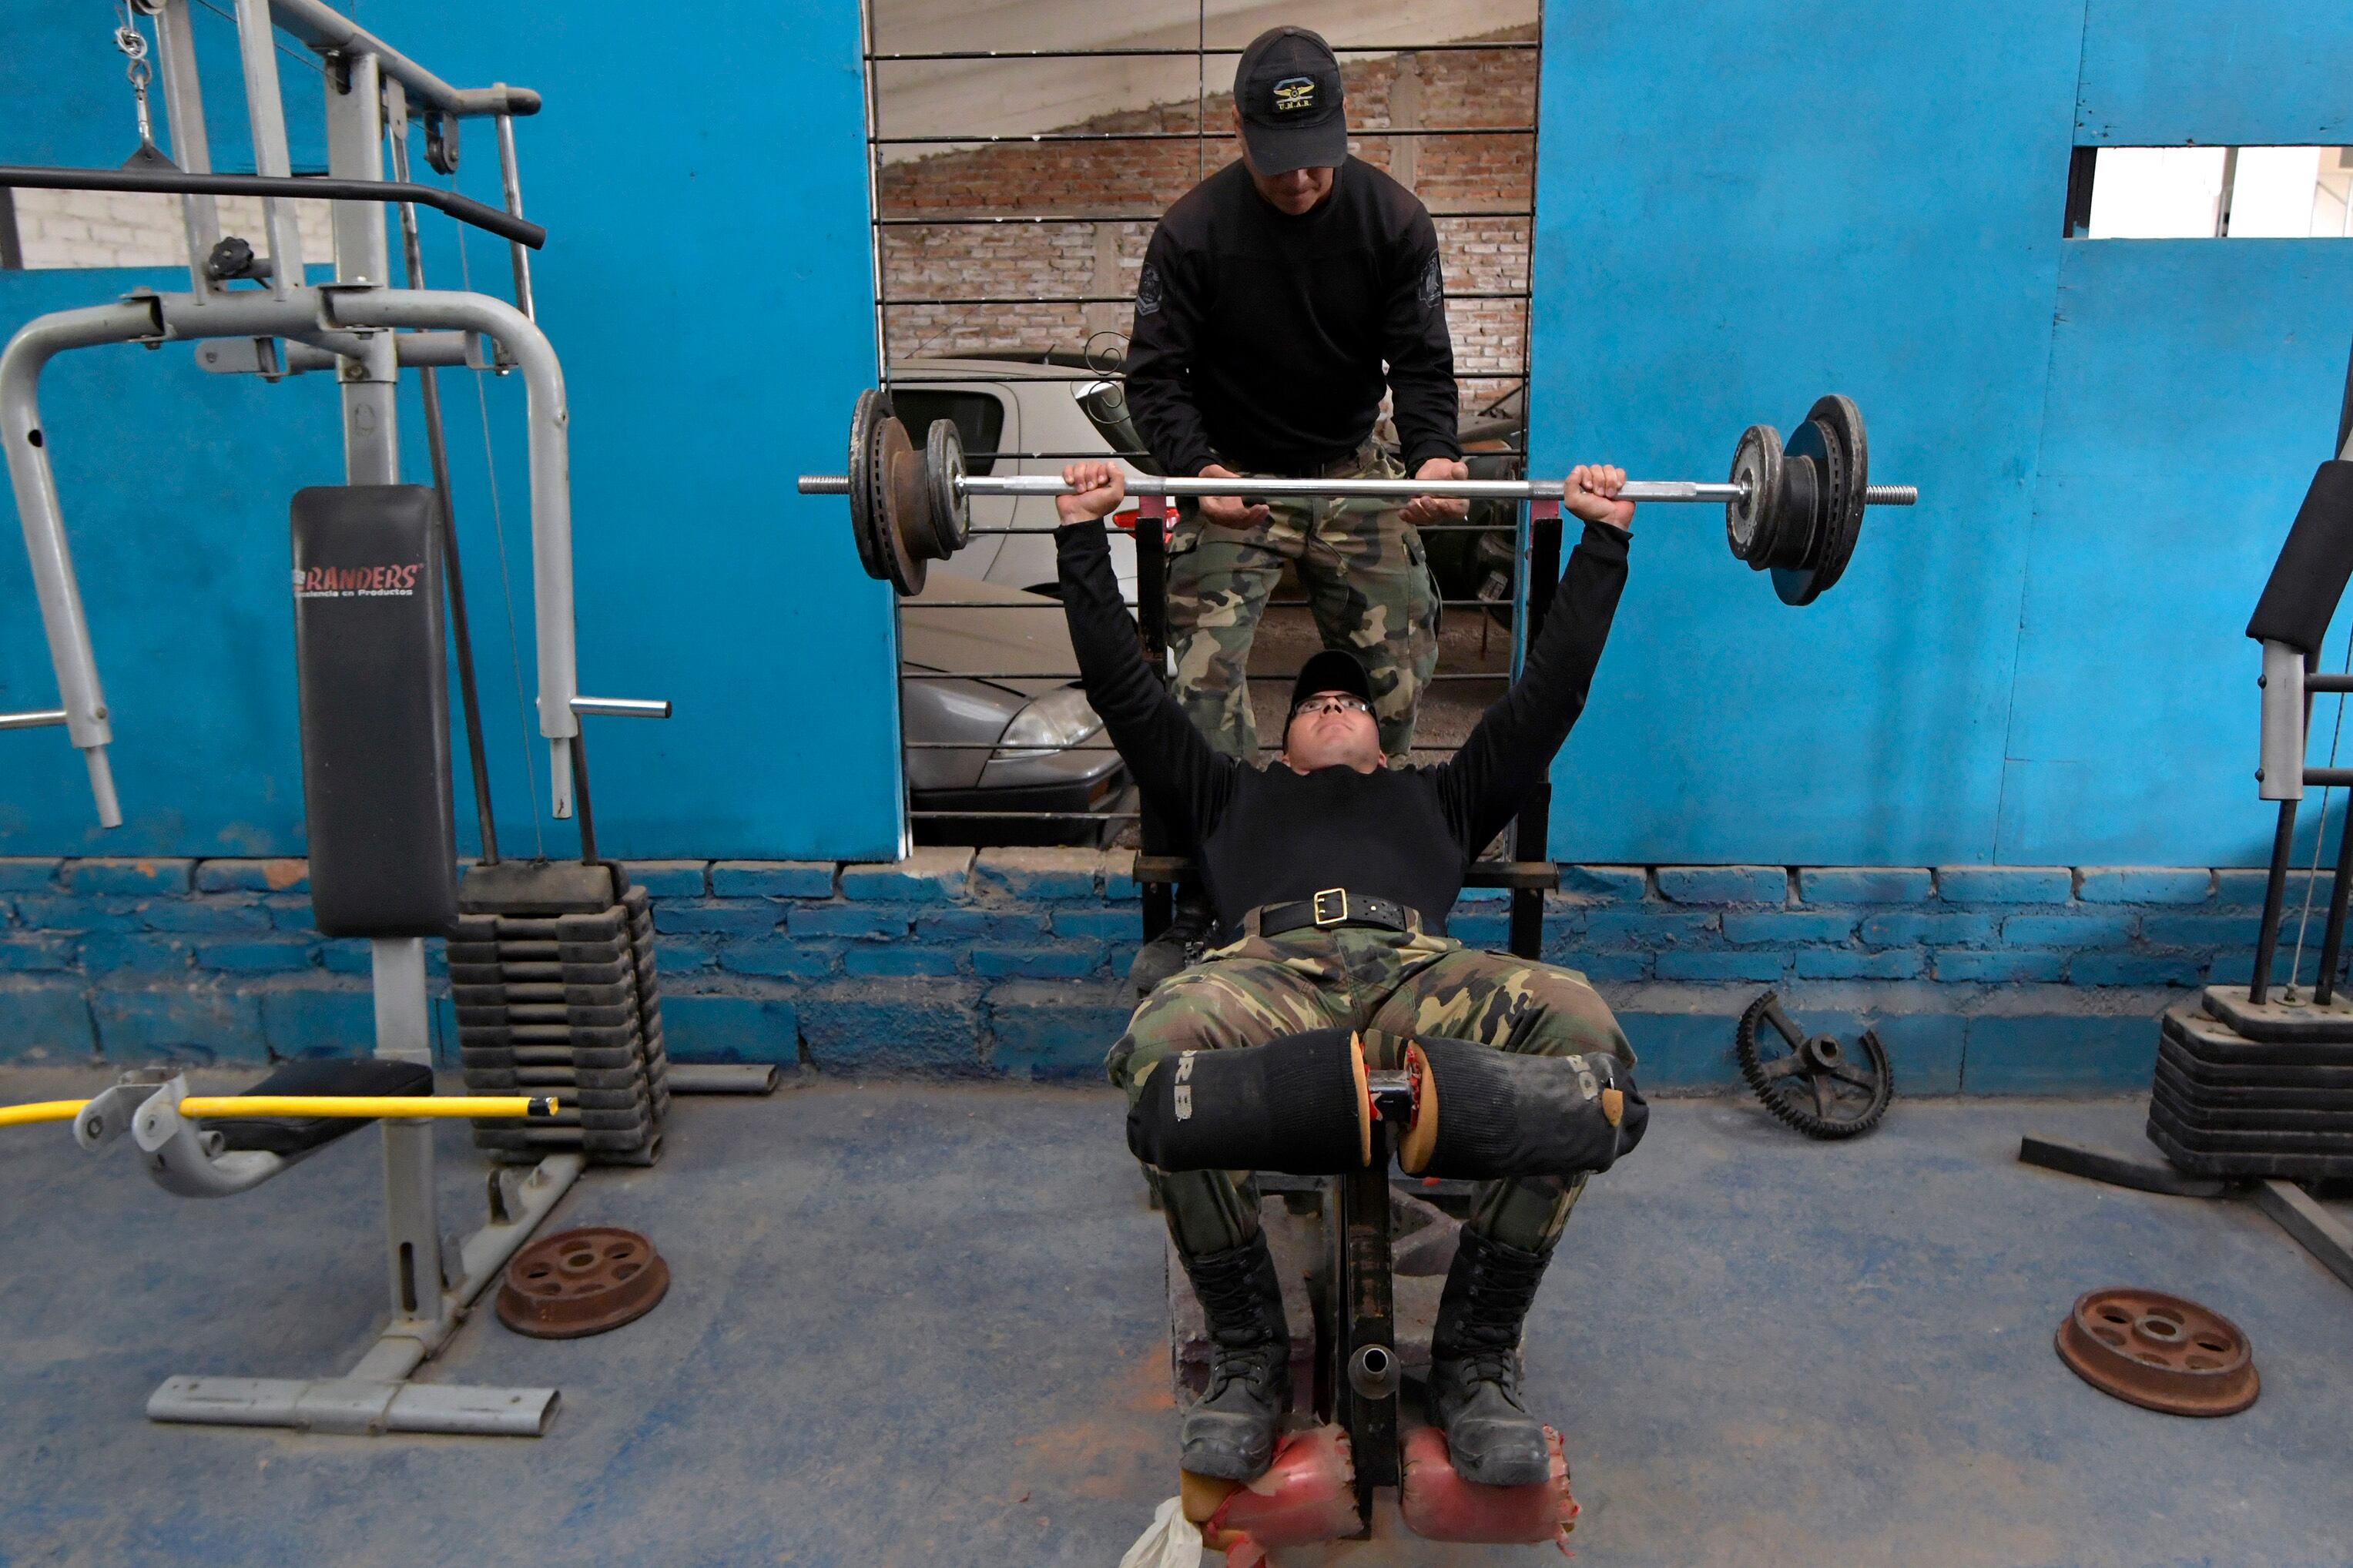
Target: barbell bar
(1794, 507)
(1719, 490)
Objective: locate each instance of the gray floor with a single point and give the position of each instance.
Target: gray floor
(919, 1325)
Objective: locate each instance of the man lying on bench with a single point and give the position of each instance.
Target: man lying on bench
(1332, 876)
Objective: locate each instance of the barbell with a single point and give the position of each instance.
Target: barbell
(1793, 507)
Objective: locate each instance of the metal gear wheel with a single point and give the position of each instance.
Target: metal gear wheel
(1812, 1082)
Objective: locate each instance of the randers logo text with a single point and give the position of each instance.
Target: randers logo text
(364, 582)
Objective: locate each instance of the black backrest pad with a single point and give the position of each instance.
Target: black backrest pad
(375, 711)
(2308, 578)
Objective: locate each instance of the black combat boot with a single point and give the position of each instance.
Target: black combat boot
(1474, 1371)
(1231, 1433)
(1190, 930)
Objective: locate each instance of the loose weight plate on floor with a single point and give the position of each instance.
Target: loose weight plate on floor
(581, 1282)
(552, 973)
(2159, 1351)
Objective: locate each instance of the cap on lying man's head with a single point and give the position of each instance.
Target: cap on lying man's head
(1333, 669)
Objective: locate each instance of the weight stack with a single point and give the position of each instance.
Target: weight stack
(2225, 1105)
(552, 971)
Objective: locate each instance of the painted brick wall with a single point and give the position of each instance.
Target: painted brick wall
(1009, 963)
(1478, 173)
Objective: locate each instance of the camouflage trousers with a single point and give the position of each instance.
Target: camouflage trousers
(1367, 583)
(1391, 987)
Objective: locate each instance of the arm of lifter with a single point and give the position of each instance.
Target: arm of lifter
(1160, 745)
(1507, 754)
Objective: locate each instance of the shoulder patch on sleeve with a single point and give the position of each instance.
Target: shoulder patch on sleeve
(1433, 285)
(1147, 291)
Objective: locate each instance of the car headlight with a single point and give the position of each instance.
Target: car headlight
(1054, 722)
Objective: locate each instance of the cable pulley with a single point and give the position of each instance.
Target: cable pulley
(1793, 507)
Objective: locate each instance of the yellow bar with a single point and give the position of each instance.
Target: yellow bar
(366, 1105)
(40, 1111)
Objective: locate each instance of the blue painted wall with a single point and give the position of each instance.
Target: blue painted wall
(2042, 662)
(706, 281)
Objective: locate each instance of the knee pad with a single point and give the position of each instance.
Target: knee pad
(1297, 1105)
(1483, 1113)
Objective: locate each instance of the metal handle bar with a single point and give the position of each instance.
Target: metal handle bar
(174, 182)
(623, 707)
(1719, 491)
(329, 31)
(354, 1107)
(36, 719)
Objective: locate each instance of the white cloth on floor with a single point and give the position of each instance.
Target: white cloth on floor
(1170, 1541)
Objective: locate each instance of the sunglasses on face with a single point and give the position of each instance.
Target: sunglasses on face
(1334, 703)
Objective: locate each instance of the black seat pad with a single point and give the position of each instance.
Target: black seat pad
(292, 1135)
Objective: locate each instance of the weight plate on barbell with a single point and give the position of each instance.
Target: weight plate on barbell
(872, 410)
(943, 467)
(1751, 522)
(1813, 453)
(1844, 422)
(901, 504)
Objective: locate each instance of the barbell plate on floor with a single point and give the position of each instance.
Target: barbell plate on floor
(873, 408)
(1751, 521)
(944, 467)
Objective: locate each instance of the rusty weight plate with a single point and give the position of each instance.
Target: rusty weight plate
(581, 1282)
(901, 507)
(2159, 1351)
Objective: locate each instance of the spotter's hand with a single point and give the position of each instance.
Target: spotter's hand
(1591, 494)
(1099, 487)
(1229, 511)
(1437, 509)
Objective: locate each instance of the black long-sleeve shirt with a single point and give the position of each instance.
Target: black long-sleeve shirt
(1270, 835)
(1260, 337)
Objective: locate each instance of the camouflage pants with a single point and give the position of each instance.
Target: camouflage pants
(1390, 986)
(1367, 583)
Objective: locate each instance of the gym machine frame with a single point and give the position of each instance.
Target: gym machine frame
(284, 327)
(2291, 677)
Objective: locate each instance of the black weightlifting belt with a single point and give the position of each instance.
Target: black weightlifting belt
(1331, 907)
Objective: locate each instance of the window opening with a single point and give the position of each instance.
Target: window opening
(2211, 193)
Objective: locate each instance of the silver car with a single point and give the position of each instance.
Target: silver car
(993, 722)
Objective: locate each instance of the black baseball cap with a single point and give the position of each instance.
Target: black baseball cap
(1288, 89)
(1333, 669)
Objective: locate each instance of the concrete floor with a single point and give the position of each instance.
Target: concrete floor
(917, 1324)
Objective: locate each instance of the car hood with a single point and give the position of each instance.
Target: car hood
(1024, 647)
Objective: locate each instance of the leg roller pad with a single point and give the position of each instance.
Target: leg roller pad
(1482, 1113)
(1296, 1105)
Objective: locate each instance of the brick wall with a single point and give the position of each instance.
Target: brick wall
(1008, 963)
(95, 229)
(1449, 172)
(119, 228)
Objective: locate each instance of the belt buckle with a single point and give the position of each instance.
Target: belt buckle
(1334, 899)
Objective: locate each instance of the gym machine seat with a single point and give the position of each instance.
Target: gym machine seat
(292, 1137)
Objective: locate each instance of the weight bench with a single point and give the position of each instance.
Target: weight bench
(1362, 1254)
(1528, 880)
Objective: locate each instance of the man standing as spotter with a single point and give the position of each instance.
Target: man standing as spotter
(1279, 298)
